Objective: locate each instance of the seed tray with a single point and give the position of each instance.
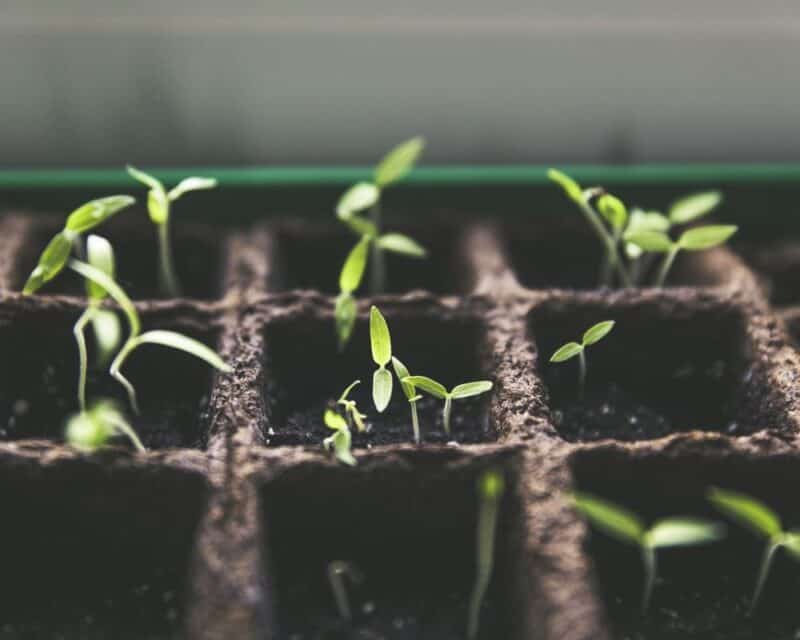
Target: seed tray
(223, 528)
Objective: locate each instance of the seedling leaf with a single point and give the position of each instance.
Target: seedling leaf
(707, 237)
(613, 519)
(567, 351)
(380, 339)
(334, 421)
(399, 161)
(354, 266)
(381, 388)
(428, 384)
(791, 542)
(191, 184)
(145, 178)
(100, 255)
(399, 243)
(158, 206)
(345, 313)
(694, 206)
(360, 196)
(93, 213)
(613, 210)
(402, 373)
(107, 333)
(347, 391)
(570, 187)
(114, 290)
(749, 512)
(469, 389)
(678, 532)
(598, 332)
(184, 343)
(51, 262)
(654, 241)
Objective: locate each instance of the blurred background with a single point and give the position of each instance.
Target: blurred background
(169, 82)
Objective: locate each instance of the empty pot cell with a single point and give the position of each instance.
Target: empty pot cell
(39, 392)
(93, 552)
(662, 369)
(310, 256)
(705, 591)
(565, 254)
(415, 557)
(299, 387)
(197, 251)
(777, 262)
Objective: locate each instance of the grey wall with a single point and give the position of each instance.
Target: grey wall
(94, 82)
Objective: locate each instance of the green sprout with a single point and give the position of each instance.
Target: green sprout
(491, 486)
(394, 166)
(381, 344)
(341, 441)
(136, 338)
(591, 336)
(338, 571)
(411, 395)
(438, 390)
(349, 280)
(159, 202)
(85, 218)
(762, 521)
(92, 428)
(354, 416)
(627, 527)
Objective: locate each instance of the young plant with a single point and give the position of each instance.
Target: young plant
(338, 571)
(136, 338)
(92, 428)
(591, 336)
(354, 416)
(85, 218)
(349, 281)
(341, 441)
(762, 521)
(381, 344)
(491, 486)
(410, 393)
(438, 390)
(159, 203)
(362, 196)
(627, 527)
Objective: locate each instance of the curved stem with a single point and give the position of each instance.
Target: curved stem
(378, 271)
(415, 421)
(115, 372)
(650, 569)
(763, 571)
(666, 266)
(448, 406)
(128, 431)
(611, 247)
(83, 359)
(168, 278)
(486, 529)
(582, 374)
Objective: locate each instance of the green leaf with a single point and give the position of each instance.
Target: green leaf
(570, 187)
(613, 210)
(567, 351)
(647, 221)
(184, 343)
(347, 391)
(682, 532)
(611, 518)
(707, 237)
(100, 255)
(401, 372)
(399, 161)
(791, 542)
(381, 388)
(379, 338)
(491, 485)
(748, 511)
(86, 433)
(345, 315)
(598, 332)
(51, 262)
(191, 184)
(354, 266)
(362, 227)
(158, 206)
(360, 196)
(342, 444)
(654, 241)
(334, 421)
(95, 212)
(399, 243)
(469, 389)
(694, 206)
(107, 333)
(145, 178)
(114, 290)
(428, 384)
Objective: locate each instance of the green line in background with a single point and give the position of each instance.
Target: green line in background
(424, 176)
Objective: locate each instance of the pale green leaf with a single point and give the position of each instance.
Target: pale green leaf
(51, 262)
(749, 512)
(613, 210)
(342, 444)
(95, 212)
(430, 385)
(381, 388)
(682, 532)
(114, 290)
(360, 196)
(399, 243)
(694, 206)
(354, 266)
(611, 518)
(107, 332)
(191, 184)
(345, 315)
(653, 241)
(791, 542)
(145, 178)
(334, 421)
(100, 255)
(598, 332)
(399, 161)
(158, 206)
(86, 433)
(379, 338)
(184, 343)
(567, 351)
(401, 372)
(647, 221)
(361, 226)
(707, 237)
(469, 389)
(570, 187)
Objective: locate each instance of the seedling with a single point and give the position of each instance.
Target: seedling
(491, 486)
(459, 392)
(394, 166)
(410, 393)
(159, 203)
(349, 281)
(85, 218)
(338, 571)
(136, 338)
(762, 521)
(627, 527)
(591, 336)
(354, 416)
(381, 344)
(92, 428)
(341, 441)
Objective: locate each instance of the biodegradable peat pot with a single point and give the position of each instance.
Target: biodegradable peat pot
(224, 528)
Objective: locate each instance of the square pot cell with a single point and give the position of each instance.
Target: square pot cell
(409, 530)
(306, 373)
(661, 370)
(703, 592)
(777, 262)
(198, 253)
(310, 256)
(38, 387)
(91, 553)
(565, 254)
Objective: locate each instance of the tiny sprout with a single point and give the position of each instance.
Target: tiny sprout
(341, 441)
(354, 416)
(92, 428)
(349, 280)
(159, 202)
(438, 390)
(410, 393)
(627, 527)
(85, 218)
(592, 335)
(381, 343)
(338, 570)
(491, 486)
(761, 520)
(136, 338)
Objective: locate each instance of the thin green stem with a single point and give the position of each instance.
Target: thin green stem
(763, 571)
(415, 421)
(650, 569)
(126, 429)
(378, 271)
(83, 358)
(666, 265)
(448, 406)
(168, 278)
(611, 247)
(485, 538)
(582, 374)
(116, 365)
